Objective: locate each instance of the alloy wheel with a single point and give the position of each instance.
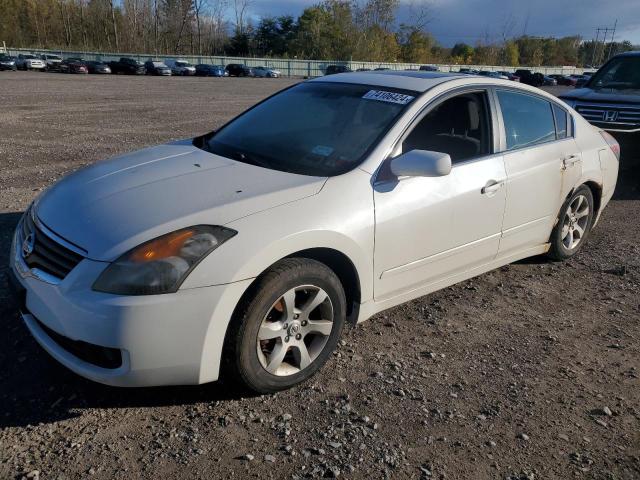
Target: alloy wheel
(574, 224)
(295, 330)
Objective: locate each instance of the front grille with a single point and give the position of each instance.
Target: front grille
(623, 117)
(103, 357)
(47, 255)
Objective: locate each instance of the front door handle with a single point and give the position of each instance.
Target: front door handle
(491, 187)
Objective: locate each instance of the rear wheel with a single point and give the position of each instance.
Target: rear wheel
(289, 327)
(573, 226)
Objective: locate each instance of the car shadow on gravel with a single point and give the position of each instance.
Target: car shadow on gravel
(35, 389)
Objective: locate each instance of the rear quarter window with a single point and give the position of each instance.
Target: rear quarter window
(562, 122)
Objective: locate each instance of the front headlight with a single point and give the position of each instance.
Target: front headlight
(161, 265)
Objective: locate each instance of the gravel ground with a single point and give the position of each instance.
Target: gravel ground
(530, 371)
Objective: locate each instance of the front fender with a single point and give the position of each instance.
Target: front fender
(339, 217)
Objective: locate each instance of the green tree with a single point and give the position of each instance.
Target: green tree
(416, 46)
(462, 53)
(510, 54)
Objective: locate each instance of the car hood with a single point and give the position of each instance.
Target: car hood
(603, 95)
(114, 205)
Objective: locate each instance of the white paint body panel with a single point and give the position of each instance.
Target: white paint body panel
(428, 227)
(404, 238)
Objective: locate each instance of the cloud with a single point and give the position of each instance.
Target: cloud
(474, 20)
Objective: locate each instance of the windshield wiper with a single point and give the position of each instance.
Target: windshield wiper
(248, 158)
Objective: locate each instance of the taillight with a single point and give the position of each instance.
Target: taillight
(612, 142)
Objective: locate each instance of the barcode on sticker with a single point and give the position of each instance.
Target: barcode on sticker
(390, 97)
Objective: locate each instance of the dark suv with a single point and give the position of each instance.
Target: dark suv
(238, 70)
(130, 66)
(610, 99)
(529, 77)
(333, 69)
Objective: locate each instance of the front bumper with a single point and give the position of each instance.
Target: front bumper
(172, 339)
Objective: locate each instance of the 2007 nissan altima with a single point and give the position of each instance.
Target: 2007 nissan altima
(244, 252)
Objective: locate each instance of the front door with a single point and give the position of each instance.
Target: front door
(430, 228)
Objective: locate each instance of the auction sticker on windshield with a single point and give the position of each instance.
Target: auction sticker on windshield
(390, 97)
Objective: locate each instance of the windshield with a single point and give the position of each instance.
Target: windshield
(315, 128)
(620, 73)
(182, 64)
(29, 57)
(159, 64)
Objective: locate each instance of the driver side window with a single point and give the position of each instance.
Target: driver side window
(458, 126)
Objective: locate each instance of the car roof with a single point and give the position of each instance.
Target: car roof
(633, 53)
(417, 80)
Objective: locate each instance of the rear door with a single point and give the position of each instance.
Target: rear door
(534, 161)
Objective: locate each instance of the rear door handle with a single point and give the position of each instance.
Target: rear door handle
(491, 187)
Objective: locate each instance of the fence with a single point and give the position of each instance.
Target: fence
(288, 67)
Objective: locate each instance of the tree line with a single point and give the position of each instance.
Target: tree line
(347, 30)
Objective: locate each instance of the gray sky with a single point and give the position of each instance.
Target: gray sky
(472, 20)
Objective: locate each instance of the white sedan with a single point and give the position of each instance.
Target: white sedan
(266, 72)
(244, 252)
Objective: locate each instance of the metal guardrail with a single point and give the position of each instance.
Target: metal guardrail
(288, 67)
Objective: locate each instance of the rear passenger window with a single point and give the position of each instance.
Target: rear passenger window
(528, 120)
(561, 122)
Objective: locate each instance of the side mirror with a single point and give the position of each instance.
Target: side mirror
(421, 163)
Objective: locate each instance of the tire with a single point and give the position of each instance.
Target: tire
(267, 339)
(575, 220)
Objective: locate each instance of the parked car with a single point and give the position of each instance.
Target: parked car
(535, 79)
(563, 79)
(549, 81)
(381, 69)
(51, 62)
(129, 66)
(428, 68)
(333, 69)
(266, 72)
(363, 70)
(206, 70)
(181, 67)
(97, 67)
(7, 62)
(582, 81)
(487, 73)
(73, 65)
(610, 99)
(245, 251)
(239, 70)
(156, 67)
(510, 75)
(28, 61)
(574, 78)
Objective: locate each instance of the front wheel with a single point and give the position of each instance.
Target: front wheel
(573, 225)
(286, 331)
